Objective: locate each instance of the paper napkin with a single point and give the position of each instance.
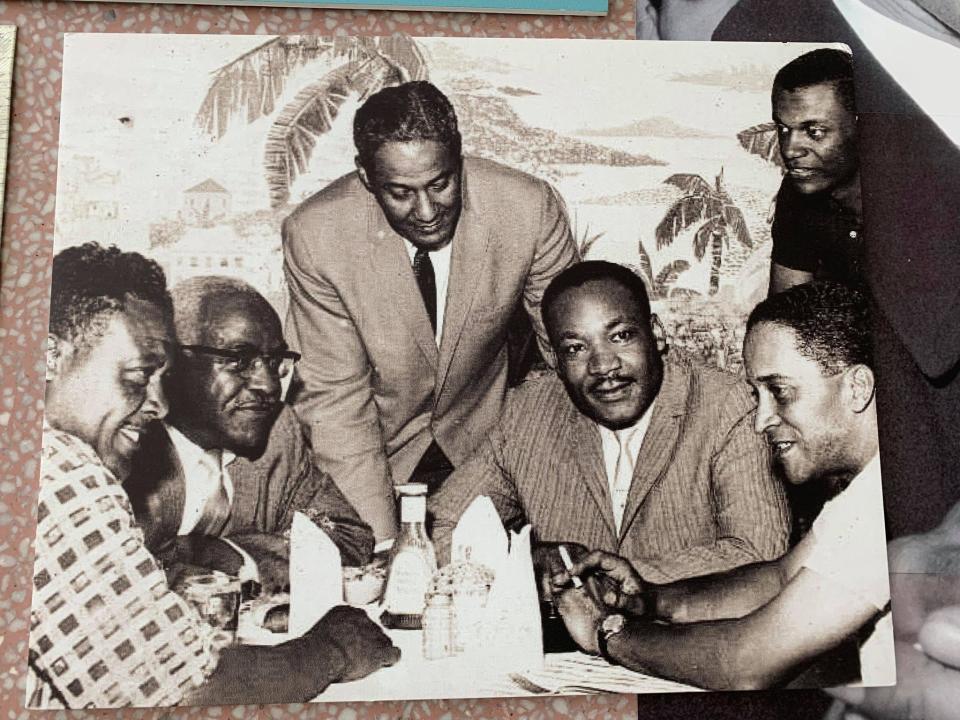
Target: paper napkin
(316, 578)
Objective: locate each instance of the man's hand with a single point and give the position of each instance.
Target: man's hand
(271, 554)
(620, 584)
(616, 581)
(207, 552)
(925, 598)
(582, 616)
(364, 645)
(547, 564)
(925, 690)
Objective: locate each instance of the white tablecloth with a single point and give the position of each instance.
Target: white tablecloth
(414, 678)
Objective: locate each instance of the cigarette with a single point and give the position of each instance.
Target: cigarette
(568, 563)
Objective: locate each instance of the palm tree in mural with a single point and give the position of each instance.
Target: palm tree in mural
(762, 140)
(712, 211)
(660, 284)
(249, 87)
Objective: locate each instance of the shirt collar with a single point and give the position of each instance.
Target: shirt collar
(633, 434)
(192, 454)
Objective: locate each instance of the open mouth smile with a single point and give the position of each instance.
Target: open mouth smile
(781, 447)
(132, 433)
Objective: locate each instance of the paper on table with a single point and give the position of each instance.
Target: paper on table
(316, 578)
(575, 672)
(512, 618)
(512, 635)
(479, 536)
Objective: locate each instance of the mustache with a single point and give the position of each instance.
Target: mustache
(609, 379)
(256, 403)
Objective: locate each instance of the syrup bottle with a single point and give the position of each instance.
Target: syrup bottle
(413, 562)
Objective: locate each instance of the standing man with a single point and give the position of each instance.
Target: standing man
(625, 451)
(105, 628)
(403, 277)
(808, 357)
(816, 227)
(230, 460)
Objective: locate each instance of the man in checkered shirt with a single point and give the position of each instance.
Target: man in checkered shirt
(106, 630)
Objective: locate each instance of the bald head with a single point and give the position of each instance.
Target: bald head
(217, 398)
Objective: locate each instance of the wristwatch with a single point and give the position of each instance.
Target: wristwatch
(611, 625)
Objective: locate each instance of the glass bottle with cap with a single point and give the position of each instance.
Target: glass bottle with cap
(413, 562)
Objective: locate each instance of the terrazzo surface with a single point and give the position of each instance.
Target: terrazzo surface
(26, 252)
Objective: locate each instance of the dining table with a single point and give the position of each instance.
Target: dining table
(464, 676)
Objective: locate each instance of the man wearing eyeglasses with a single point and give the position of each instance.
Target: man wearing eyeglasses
(218, 482)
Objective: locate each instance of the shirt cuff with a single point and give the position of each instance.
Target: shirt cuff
(249, 569)
(383, 546)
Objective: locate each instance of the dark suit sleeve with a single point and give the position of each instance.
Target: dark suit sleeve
(333, 394)
(486, 473)
(750, 507)
(556, 250)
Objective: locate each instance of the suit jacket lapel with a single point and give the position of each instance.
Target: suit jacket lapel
(659, 442)
(469, 251)
(162, 488)
(589, 454)
(397, 285)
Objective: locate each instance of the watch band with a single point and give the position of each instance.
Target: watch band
(602, 637)
(610, 626)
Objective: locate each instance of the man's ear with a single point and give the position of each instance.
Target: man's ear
(861, 386)
(58, 353)
(362, 173)
(659, 333)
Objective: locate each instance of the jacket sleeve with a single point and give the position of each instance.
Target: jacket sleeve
(750, 508)
(310, 490)
(332, 391)
(556, 250)
(486, 473)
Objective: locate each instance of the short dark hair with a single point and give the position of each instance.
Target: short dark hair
(592, 270)
(830, 319)
(90, 283)
(826, 65)
(405, 113)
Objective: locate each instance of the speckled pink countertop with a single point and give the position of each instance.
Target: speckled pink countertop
(27, 244)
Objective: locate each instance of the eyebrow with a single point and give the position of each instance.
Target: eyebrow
(428, 183)
(772, 377)
(620, 320)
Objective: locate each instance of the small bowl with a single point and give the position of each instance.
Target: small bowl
(363, 585)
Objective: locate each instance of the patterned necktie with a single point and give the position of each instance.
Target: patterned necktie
(216, 511)
(427, 281)
(622, 476)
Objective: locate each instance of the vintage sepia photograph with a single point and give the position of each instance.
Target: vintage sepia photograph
(389, 368)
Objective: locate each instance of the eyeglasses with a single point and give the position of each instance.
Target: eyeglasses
(246, 361)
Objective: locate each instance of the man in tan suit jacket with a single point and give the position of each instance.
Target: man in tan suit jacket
(403, 277)
(691, 493)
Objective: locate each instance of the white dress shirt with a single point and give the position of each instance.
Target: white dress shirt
(203, 472)
(610, 443)
(922, 65)
(849, 542)
(440, 259)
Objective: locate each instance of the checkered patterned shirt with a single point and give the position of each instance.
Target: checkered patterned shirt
(105, 630)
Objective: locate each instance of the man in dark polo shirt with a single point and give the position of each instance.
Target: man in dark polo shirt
(816, 227)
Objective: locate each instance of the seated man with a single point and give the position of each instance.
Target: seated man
(625, 452)
(105, 629)
(231, 460)
(808, 356)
